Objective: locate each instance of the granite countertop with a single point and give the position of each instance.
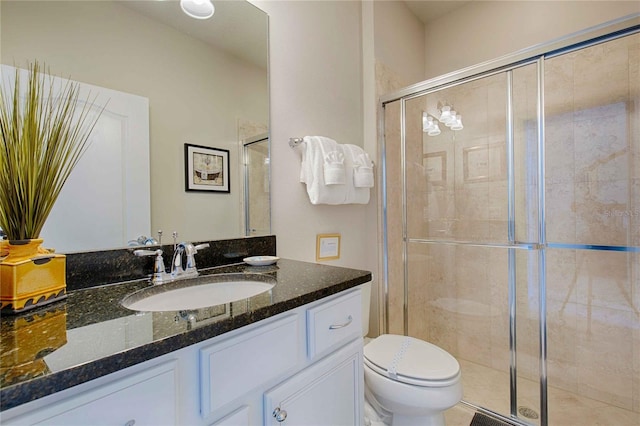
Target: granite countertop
(90, 334)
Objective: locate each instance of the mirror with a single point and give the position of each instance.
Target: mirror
(205, 80)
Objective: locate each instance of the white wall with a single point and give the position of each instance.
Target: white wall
(484, 30)
(316, 89)
(316, 77)
(399, 40)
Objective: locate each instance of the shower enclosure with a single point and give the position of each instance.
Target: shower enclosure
(514, 242)
(257, 195)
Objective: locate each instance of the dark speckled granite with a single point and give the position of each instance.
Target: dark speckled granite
(90, 269)
(31, 344)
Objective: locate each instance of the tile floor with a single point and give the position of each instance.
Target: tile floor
(565, 408)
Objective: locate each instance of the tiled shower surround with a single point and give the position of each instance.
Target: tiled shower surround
(578, 253)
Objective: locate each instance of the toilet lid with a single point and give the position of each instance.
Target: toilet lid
(410, 360)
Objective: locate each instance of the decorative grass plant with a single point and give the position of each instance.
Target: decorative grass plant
(43, 138)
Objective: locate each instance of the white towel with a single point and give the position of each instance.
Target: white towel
(362, 167)
(328, 171)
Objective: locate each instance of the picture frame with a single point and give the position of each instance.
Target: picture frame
(327, 247)
(484, 163)
(206, 169)
(435, 167)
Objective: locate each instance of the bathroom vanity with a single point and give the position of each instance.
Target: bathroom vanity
(293, 353)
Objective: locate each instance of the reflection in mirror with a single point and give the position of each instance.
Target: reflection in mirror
(205, 82)
(256, 184)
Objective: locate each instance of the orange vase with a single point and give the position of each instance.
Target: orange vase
(30, 277)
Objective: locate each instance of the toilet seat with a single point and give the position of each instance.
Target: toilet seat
(412, 361)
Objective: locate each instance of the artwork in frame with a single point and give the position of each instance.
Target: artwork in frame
(206, 169)
(484, 163)
(435, 167)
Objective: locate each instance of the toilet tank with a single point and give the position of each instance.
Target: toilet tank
(366, 306)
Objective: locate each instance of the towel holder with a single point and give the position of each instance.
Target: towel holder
(294, 142)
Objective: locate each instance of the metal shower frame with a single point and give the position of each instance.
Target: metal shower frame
(534, 55)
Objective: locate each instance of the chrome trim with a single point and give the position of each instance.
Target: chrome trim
(405, 234)
(632, 249)
(383, 291)
(515, 245)
(511, 232)
(623, 24)
(542, 238)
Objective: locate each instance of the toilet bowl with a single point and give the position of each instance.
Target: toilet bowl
(409, 380)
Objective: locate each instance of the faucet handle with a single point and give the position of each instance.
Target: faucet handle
(141, 252)
(159, 274)
(201, 246)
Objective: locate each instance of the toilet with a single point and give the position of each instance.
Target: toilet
(408, 381)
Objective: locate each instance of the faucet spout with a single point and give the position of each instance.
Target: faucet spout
(189, 269)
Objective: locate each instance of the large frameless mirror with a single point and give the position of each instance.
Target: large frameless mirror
(199, 82)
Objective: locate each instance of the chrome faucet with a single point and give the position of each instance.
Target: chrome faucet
(189, 269)
(160, 275)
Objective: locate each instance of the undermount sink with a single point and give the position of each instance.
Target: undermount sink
(199, 292)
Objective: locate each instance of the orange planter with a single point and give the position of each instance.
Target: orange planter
(30, 277)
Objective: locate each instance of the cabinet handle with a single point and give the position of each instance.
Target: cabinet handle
(337, 326)
(130, 422)
(280, 415)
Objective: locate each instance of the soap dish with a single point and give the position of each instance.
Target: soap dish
(261, 260)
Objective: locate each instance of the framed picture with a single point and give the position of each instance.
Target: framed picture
(327, 247)
(206, 169)
(485, 163)
(435, 167)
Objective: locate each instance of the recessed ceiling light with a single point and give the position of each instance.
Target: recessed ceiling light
(198, 9)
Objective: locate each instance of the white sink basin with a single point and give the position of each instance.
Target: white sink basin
(198, 292)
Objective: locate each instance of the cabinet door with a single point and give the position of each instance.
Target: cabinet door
(329, 392)
(144, 398)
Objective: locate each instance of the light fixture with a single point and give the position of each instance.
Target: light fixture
(458, 124)
(435, 130)
(198, 9)
(427, 122)
(447, 116)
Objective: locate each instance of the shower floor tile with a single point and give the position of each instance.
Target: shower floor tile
(489, 388)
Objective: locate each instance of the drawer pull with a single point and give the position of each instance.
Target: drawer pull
(279, 415)
(337, 326)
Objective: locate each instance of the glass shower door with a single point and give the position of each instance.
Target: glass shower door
(592, 123)
(256, 187)
(471, 234)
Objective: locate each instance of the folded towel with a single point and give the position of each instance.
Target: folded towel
(330, 170)
(362, 167)
(333, 168)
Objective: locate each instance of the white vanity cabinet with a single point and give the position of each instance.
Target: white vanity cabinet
(147, 397)
(328, 392)
(307, 362)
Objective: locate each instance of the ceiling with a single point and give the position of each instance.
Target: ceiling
(429, 10)
(237, 26)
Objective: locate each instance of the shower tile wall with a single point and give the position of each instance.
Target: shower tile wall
(457, 192)
(592, 173)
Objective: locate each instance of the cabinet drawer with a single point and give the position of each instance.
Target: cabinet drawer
(145, 398)
(232, 368)
(334, 323)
